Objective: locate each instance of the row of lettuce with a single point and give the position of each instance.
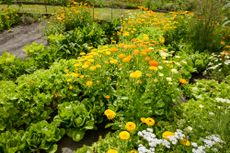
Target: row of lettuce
(134, 85)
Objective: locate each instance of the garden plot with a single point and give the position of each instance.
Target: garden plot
(94, 76)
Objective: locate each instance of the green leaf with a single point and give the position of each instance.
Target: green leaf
(160, 104)
(159, 112)
(53, 149)
(76, 134)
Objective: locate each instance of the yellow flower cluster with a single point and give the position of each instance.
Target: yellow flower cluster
(148, 121)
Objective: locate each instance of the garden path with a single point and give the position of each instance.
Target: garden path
(15, 39)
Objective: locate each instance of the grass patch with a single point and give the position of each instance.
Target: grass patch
(97, 13)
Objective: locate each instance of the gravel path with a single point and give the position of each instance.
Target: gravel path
(13, 41)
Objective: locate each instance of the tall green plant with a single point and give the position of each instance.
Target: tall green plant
(205, 32)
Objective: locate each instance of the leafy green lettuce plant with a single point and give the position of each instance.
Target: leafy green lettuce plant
(74, 117)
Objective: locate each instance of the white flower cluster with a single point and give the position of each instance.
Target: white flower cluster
(209, 142)
(152, 141)
(223, 100)
(218, 62)
(178, 135)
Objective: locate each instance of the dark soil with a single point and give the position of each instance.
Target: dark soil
(15, 39)
(67, 145)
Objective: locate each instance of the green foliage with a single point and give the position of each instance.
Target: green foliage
(111, 141)
(205, 31)
(12, 141)
(176, 36)
(170, 5)
(74, 117)
(42, 136)
(11, 67)
(218, 67)
(8, 18)
(208, 112)
(69, 19)
(39, 136)
(80, 39)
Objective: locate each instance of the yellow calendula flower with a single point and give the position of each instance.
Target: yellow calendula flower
(149, 75)
(185, 142)
(124, 135)
(126, 34)
(167, 135)
(113, 61)
(110, 114)
(82, 53)
(183, 81)
(98, 66)
(130, 126)
(162, 40)
(112, 151)
(121, 56)
(92, 68)
(107, 52)
(107, 97)
(70, 87)
(154, 68)
(113, 49)
(127, 59)
(149, 121)
(142, 119)
(81, 76)
(136, 74)
(89, 83)
(133, 151)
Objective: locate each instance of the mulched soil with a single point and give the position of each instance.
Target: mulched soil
(15, 39)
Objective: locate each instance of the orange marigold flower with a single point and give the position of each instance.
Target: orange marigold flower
(136, 52)
(113, 49)
(121, 56)
(147, 58)
(153, 63)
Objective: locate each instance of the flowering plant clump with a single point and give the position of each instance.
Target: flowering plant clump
(171, 139)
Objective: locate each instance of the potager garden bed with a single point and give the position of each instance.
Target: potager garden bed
(140, 86)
